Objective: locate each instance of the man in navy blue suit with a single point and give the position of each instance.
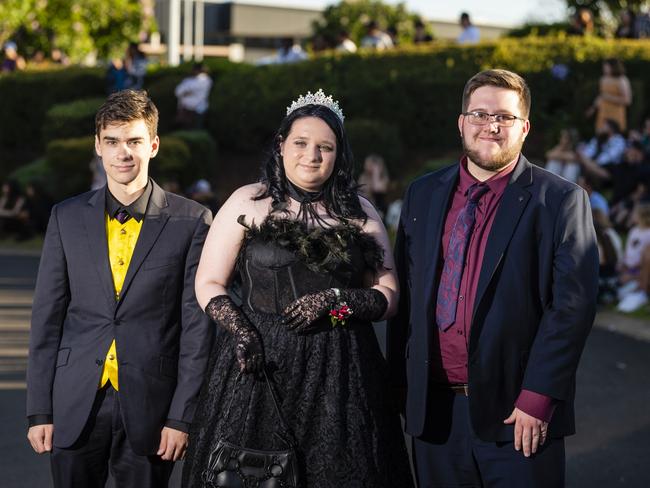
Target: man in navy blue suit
(498, 268)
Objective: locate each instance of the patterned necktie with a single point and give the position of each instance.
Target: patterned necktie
(452, 270)
(122, 216)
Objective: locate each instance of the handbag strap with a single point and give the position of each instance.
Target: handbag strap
(286, 435)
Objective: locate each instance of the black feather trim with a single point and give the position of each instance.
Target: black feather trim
(321, 248)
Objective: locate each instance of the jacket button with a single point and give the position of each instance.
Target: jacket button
(117, 322)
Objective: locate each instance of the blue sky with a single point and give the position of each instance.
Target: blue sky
(499, 12)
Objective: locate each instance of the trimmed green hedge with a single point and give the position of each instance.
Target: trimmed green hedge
(28, 96)
(72, 119)
(172, 161)
(415, 90)
(69, 161)
(419, 89)
(371, 137)
(203, 154)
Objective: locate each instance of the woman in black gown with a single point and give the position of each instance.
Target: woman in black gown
(301, 243)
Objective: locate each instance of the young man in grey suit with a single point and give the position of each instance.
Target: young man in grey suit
(118, 344)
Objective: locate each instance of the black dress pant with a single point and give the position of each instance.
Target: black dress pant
(449, 454)
(102, 446)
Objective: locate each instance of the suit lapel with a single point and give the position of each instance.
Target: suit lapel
(154, 221)
(437, 211)
(95, 222)
(514, 201)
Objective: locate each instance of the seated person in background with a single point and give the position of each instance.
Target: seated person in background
(421, 36)
(596, 199)
(629, 181)
(603, 151)
(610, 251)
(631, 295)
(644, 137)
(374, 181)
(201, 192)
(469, 33)
(193, 98)
(562, 159)
(345, 44)
(12, 208)
(376, 38)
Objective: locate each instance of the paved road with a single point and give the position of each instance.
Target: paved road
(613, 397)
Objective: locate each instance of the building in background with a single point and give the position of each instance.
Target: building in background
(245, 32)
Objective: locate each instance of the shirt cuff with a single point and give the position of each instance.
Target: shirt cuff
(178, 425)
(40, 419)
(539, 406)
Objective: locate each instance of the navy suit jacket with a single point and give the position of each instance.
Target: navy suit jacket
(163, 337)
(535, 301)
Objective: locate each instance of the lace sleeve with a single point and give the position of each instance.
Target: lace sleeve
(249, 348)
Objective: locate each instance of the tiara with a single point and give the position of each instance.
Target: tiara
(318, 98)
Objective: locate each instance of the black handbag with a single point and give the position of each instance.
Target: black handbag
(234, 466)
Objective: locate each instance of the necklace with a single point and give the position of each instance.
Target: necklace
(308, 201)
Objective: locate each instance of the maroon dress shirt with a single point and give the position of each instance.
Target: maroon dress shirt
(454, 341)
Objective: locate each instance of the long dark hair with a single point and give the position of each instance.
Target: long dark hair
(340, 197)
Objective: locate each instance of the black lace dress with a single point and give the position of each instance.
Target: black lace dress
(331, 382)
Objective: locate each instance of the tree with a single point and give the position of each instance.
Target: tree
(352, 16)
(77, 27)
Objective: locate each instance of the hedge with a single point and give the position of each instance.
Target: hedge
(72, 119)
(203, 154)
(371, 137)
(28, 96)
(419, 89)
(69, 162)
(416, 90)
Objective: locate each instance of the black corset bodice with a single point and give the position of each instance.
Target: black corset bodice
(282, 260)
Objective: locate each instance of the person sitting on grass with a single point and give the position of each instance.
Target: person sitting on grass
(634, 273)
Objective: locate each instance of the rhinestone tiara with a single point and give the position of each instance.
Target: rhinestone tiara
(318, 98)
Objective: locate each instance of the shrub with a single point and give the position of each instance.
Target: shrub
(372, 137)
(203, 153)
(418, 89)
(161, 92)
(69, 161)
(72, 119)
(26, 98)
(38, 171)
(172, 162)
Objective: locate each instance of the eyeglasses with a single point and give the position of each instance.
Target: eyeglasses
(482, 118)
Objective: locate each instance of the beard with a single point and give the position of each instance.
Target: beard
(497, 162)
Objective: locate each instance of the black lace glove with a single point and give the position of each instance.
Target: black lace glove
(363, 303)
(249, 349)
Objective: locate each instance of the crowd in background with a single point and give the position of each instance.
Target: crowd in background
(614, 168)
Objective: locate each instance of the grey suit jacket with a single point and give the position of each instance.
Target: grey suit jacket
(163, 338)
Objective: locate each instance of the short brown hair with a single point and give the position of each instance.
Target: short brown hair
(126, 106)
(499, 78)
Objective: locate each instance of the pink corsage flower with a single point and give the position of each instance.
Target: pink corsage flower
(339, 315)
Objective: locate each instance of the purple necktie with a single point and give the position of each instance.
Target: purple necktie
(122, 216)
(452, 270)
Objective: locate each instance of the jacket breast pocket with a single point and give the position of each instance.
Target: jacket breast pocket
(62, 357)
(155, 263)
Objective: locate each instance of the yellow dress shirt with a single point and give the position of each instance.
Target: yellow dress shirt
(121, 242)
